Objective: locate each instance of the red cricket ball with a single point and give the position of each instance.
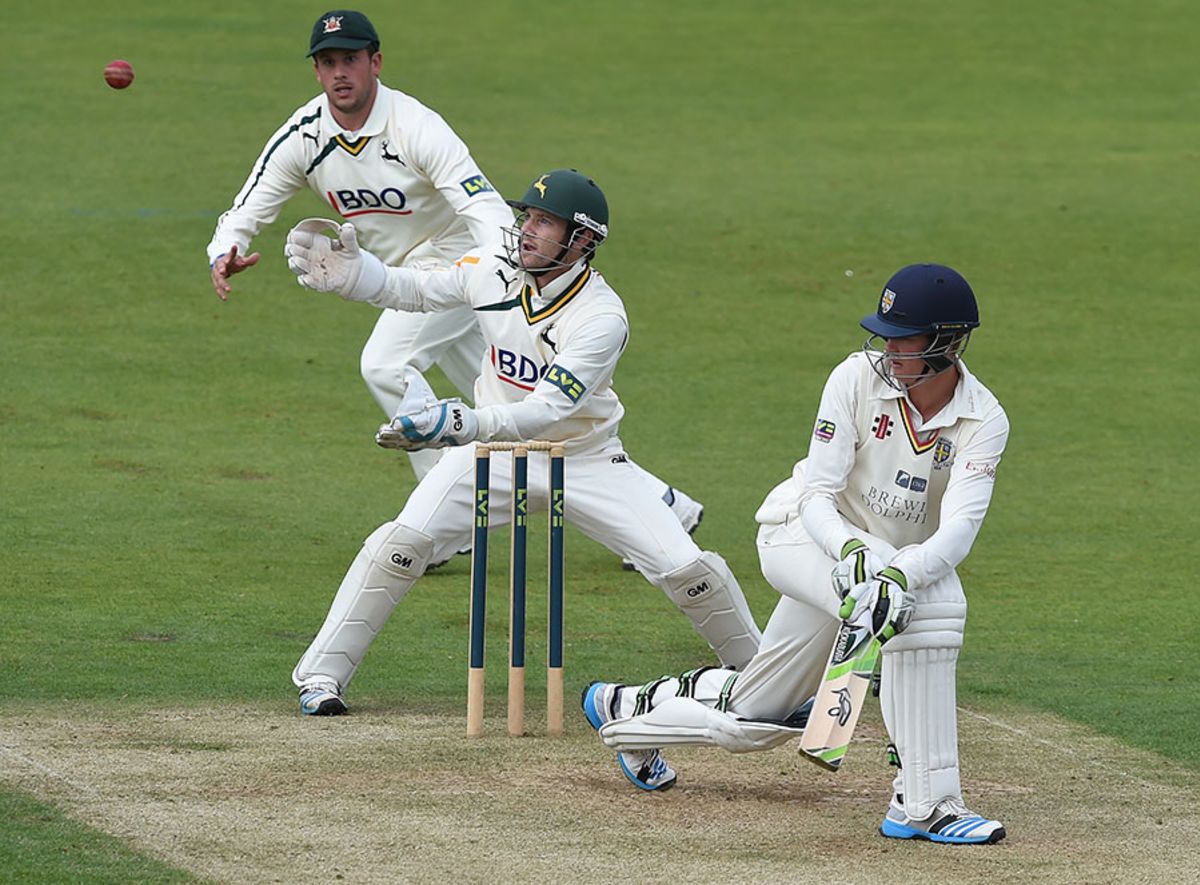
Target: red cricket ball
(118, 74)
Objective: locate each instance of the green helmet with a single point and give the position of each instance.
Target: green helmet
(568, 194)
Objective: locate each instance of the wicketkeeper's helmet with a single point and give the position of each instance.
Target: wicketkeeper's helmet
(570, 195)
(923, 299)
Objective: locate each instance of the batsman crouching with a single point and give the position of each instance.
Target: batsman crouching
(888, 502)
(555, 330)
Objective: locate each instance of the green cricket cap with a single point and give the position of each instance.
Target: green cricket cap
(342, 29)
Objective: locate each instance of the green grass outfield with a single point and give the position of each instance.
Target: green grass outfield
(184, 481)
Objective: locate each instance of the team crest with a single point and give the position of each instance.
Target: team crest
(941, 453)
(824, 430)
(333, 24)
(540, 184)
(886, 300)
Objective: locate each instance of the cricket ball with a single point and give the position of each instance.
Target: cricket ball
(118, 74)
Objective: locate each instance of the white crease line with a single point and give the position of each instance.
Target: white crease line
(47, 770)
(998, 723)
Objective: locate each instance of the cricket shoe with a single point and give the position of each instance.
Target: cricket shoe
(321, 700)
(687, 510)
(950, 823)
(646, 769)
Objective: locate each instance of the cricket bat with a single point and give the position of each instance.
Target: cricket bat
(840, 697)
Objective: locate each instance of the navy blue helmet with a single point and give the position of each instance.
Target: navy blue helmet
(923, 299)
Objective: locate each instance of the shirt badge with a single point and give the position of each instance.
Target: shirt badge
(941, 453)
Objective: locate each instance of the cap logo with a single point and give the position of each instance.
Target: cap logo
(333, 24)
(886, 300)
(540, 184)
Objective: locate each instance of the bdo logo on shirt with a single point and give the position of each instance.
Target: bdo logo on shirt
(516, 368)
(350, 202)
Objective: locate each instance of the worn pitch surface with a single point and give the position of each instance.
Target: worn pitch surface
(243, 795)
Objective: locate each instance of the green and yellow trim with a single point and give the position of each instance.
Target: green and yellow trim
(353, 148)
(576, 286)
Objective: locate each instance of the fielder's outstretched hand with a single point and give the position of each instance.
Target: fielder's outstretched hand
(226, 266)
(442, 423)
(325, 257)
(883, 604)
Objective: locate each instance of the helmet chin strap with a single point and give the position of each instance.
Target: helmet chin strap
(927, 374)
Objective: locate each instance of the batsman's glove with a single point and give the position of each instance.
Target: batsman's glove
(858, 564)
(441, 423)
(884, 604)
(325, 257)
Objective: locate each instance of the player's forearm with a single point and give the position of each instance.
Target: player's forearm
(941, 552)
(276, 177)
(529, 419)
(240, 224)
(822, 521)
(401, 291)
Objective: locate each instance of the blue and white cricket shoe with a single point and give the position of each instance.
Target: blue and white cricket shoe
(646, 769)
(321, 700)
(950, 823)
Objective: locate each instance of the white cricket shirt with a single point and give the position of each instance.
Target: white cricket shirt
(406, 180)
(547, 373)
(923, 486)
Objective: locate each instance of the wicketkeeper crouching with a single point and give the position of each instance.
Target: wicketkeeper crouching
(555, 330)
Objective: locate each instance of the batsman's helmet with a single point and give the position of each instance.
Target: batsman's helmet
(923, 299)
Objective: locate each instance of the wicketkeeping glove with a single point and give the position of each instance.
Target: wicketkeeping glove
(325, 257)
(442, 423)
(886, 600)
(857, 564)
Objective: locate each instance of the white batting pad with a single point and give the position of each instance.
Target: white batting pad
(918, 702)
(678, 722)
(939, 620)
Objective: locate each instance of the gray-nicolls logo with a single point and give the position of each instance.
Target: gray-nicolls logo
(698, 590)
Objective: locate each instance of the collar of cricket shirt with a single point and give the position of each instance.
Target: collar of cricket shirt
(964, 403)
(555, 295)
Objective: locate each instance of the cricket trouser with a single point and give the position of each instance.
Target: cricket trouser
(606, 497)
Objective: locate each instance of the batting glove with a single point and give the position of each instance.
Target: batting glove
(885, 601)
(858, 564)
(442, 423)
(325, 257)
